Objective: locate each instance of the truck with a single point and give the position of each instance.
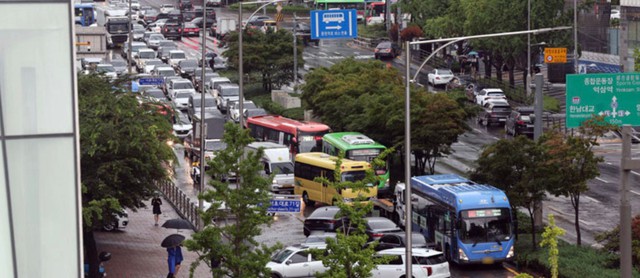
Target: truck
(214, 129)
(116, 23)
(223, 26)
(277, 162)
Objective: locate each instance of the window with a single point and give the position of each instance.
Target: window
(300, 257)
(431, 260)
(390, 240)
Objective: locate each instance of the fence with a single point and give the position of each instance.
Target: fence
(181, 203)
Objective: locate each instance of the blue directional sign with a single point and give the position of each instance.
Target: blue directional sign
(334, 24)
(151, 81)
(290, 205)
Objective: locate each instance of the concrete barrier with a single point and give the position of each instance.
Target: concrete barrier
(284, 99)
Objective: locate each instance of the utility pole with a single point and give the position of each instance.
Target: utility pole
(295, 55)
(407, 161)
(202, 100)
(627, 165)
(130, 40)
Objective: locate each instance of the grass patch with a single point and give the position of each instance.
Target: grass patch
(551, 104)
(574, 261)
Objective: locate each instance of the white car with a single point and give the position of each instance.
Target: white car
(151, 64)
(180, 90)
(120, 222)
(439, 76)
(143, 55)
(175, 56)
(209, 87)
(166, 8)
(234, 110)
(154, 41)
(295, 261)
(426, 263)
(489, 93)
(108, 70)
(615, 14)
(163, 71)
(181, 124)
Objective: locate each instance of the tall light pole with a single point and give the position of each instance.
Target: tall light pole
(575, 36)
(202, 100)
(527, 79)
(130, 40)
(407, 135)
(240, 58)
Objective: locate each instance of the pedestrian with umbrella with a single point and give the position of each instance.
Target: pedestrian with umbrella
(174, 253)
(177, 223)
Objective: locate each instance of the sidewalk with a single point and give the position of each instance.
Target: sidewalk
(136, 250)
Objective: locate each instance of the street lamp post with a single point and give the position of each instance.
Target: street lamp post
(202, 100)
(130, 40)
(407, 131)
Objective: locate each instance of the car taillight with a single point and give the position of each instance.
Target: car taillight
(520, 122)
(428, 269)
(179, 30)
(330, 221)
(166, 29)
(438, 77)
(376, 236)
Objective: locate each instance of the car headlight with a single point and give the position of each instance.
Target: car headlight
(462, 255)
(510, 253)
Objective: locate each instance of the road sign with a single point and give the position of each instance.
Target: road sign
(333, 24)
(555, 55)
(285, 205)
(151, 81)
(616, 96)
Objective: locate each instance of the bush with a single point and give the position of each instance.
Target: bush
(373, 31)
(551, 104)
(294, 113)
(574, 261)
(412, 31)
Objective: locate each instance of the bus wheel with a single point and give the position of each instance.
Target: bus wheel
(305, 199)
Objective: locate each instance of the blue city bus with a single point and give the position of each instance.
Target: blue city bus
(470, 223)
(84, 14)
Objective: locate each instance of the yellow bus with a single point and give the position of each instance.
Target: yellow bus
(308, 166)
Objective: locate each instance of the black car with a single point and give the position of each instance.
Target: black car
(172, 30)
(520, 121)
(495, 111)
(198, 21)
(387, 49)
(324, 219)
(376, 227)
(185, 5)
(395, 240)
(187, 16)
(186, 67)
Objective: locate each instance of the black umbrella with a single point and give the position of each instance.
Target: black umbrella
(172, 240)
(178, 223)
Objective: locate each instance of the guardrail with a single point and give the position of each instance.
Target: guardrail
(181, 203)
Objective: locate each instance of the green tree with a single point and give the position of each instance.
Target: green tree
(550, 239)
(123, 154)
(571, 162)
(267, 53)
(234, 244)
(611, 241)
(345, 255)
(512, 165)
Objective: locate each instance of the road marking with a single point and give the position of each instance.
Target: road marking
(602, 180)
(477, 130)
(586, 222)
(634, 192)
(511, 270)
(609, 163)
(635, 173)
(592, 199)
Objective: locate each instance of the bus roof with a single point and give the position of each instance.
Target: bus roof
(351, 141)
(286, 124)
(329, 162)
(83, 5)
(458, 192)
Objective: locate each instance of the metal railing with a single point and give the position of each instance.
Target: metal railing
(181, 203)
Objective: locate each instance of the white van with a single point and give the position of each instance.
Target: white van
(276, 160)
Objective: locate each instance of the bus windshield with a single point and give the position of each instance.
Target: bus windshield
(282, 168)
(353, 176)
(485, 225)
(310, 141)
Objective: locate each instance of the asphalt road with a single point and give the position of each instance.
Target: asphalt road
(599, 206)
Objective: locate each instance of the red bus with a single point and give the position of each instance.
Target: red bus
(300, 137)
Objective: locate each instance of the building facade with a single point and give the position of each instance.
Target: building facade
(40, 230)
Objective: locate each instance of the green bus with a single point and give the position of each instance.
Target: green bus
(359, 147)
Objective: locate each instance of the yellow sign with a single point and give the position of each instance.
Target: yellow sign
(83, 43)
(555, 55)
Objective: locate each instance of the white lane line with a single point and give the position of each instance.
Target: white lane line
(477, 130)
(592, 199)
(634, 192)
(635, 173)
(609, 163)
(602, 180)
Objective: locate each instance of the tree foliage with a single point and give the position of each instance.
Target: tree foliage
(368, 97)
(345, 256)
(234, 244)
(512, 165)
(123, 152)
(550, 239)
(611, 241)
(269, 53)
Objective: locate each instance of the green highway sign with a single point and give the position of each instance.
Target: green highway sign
(615, 95)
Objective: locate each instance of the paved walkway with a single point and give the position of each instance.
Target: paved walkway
(136, 250)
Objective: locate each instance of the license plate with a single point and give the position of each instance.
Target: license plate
(529, 125)
(502, 120)
(487, 260)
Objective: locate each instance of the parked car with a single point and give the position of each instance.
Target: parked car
(324, 219)
(426, 263)
(296, 261)
(395, 240)
(488, 93)
(520, 121)
(190, 30)
(494, 111)
(172, 30)
(471, 91)
(376, 227)
(387, 49)
(439, 76)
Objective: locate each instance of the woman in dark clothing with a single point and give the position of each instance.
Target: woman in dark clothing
(156, 202)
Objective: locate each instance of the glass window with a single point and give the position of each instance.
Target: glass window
(300, 257)
(36, 78)
(44, 200)
(6, 262)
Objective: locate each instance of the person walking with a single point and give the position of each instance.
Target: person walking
(174, 259)
(156, 202)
